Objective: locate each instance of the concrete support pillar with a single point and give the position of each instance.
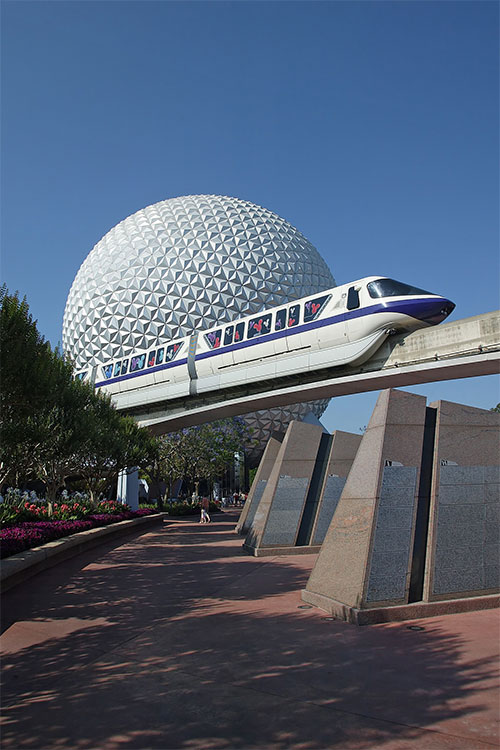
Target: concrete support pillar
(464, 535)
(343, 452)
(259, 483)
(308, 522)
(277, 517)
(366, 558)
(128, 488)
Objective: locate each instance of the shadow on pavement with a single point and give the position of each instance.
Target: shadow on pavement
(176, 639)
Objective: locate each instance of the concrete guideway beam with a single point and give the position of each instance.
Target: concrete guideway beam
(461, 338)
(483, 364)
(461, 349)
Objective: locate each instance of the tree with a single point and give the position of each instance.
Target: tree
(112, 442)
(221, 440)
(201, 452)
(53, 426)
(496, 408)
(167, 463)
(59, 430)
(27, 367)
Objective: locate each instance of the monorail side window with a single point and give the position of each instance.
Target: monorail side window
(118, 367)
(293, 315)
(313, 307)
(239, 332)
(159, 356)
(81, 375)
(352, 298)
(172, 351)
(213, 338)
(259, 326)
(107, 371)
(391, 288)
(151, 358)
(124, 366)
(137, 363)
(280, 323)
(228, 335)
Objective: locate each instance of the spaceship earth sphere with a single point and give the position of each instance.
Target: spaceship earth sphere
(188, 263)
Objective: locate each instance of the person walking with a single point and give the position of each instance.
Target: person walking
(205, 518)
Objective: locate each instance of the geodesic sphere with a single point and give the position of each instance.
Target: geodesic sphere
(183, 264)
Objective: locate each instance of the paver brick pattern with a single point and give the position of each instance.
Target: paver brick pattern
(174, 638)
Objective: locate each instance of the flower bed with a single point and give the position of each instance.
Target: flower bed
(28, 534)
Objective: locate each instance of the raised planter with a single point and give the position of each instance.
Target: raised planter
(18, 568)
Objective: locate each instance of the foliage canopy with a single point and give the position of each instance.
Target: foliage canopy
(53, 426)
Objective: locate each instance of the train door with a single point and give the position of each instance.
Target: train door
(355, 323)
(334, 333)
(279, 342)
(226, 358)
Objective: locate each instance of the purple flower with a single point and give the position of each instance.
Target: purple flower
(34, 533)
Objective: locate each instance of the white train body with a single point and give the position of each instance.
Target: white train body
(340, 326)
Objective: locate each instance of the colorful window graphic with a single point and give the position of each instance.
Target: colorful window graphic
(213, 338)
(118, 367)
(172, 351)
(159, 355)
(107, 371)
(259, 326)
(239, 333)
(293, 315)
(137, 363)
(151, 358)
(280, 323)
(313, 308)
(81, 375)
(124, 366)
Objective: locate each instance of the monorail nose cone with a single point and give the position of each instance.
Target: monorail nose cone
(442, 309)
(434, 311)
(447, 308)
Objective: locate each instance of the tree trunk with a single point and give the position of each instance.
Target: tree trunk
(52, 488)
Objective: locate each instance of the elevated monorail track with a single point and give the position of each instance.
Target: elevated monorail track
(460, 349)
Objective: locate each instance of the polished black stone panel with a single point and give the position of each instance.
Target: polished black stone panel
(284, 515)
(393, 534)
(333, 490)
(468, 530)
(257, 497)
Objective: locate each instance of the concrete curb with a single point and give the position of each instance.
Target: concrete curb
(399, 613)
(310, 549)
(18, 568)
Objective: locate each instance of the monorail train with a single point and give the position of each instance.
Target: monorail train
(340, 326)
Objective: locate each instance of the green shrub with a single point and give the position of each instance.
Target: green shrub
(186, 509)
(182, 509)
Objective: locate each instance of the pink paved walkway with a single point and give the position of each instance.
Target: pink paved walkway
(176, 639)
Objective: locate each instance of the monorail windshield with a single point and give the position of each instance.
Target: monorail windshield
(391, 288)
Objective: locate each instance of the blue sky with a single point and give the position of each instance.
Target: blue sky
(370, 126)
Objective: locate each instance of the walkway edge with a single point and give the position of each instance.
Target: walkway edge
(18, 568)
(402, 612)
